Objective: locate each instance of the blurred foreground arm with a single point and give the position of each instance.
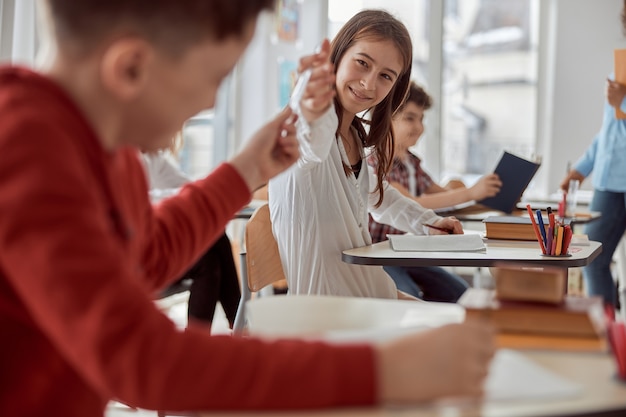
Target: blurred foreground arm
(449, 361)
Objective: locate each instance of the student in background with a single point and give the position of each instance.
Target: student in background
(606, 158)
(82, 249)
(319, 206)
(408, 177)
(214, 276)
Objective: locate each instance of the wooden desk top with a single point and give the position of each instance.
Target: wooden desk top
(478, 213)
(498, 252)
(602, 395)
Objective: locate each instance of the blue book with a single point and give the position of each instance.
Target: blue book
(515, 174)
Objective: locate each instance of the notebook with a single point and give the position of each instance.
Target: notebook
(437, 243)
(515, 174)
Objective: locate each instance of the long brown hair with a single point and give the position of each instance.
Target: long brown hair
(377, 25)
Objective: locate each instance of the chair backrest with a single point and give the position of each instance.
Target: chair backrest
(262, 257)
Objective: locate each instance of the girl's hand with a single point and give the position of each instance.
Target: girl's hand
(320, 89)
(448, 225)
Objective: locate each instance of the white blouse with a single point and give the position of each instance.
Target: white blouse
(318, 212)
(164, 176)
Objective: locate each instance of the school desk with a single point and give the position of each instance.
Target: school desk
(478, 213)
(498, 252)
(600, 395)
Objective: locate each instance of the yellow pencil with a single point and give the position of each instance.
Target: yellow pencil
(559, 240)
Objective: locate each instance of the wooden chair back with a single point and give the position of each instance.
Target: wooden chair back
(262, 257)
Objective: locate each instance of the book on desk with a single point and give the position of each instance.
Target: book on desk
(511, 227)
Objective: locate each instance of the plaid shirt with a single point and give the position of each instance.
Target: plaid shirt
(400, 174)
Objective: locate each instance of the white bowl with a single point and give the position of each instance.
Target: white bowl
(332, 317)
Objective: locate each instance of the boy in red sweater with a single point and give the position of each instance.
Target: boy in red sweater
(82, 251)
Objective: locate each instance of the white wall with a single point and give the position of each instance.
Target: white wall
(17, 32)
(584, 35)
(257, 74)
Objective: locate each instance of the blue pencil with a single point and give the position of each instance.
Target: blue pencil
(542, 228)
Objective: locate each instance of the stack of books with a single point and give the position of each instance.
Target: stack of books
(576, 322)
(510, 227)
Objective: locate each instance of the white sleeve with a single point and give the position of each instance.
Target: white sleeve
(164, 176)
(163, 172)
(316, 138)
(397, 210)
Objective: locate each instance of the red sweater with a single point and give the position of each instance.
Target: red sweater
(82, 252)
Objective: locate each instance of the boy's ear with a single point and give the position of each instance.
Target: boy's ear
(125, 67)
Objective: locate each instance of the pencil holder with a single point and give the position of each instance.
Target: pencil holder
(557, 256)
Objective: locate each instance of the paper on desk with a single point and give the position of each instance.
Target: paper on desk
(515, 377)
(436, 243)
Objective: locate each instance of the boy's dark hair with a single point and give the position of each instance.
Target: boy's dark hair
(173, 24)
(418, 96)
(377, 25)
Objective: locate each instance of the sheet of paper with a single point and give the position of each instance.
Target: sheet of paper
(515, 377)
(437, 243)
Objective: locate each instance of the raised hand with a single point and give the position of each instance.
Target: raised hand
(320, 88)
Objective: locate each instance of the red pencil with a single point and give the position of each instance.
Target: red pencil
(567, 238)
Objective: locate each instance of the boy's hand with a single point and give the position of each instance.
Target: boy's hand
(270, 151)
(487, 186)
(449, 361)
(320, 89)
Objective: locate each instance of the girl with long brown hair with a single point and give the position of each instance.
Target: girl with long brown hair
(320, 206)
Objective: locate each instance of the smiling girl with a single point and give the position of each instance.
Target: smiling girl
(319, 207)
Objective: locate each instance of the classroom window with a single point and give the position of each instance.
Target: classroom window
(489, 85)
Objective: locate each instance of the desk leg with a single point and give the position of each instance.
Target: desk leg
(240, 318)
(477, 278)
(575, 282)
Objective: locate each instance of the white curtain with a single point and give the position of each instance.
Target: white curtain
(18, 33)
